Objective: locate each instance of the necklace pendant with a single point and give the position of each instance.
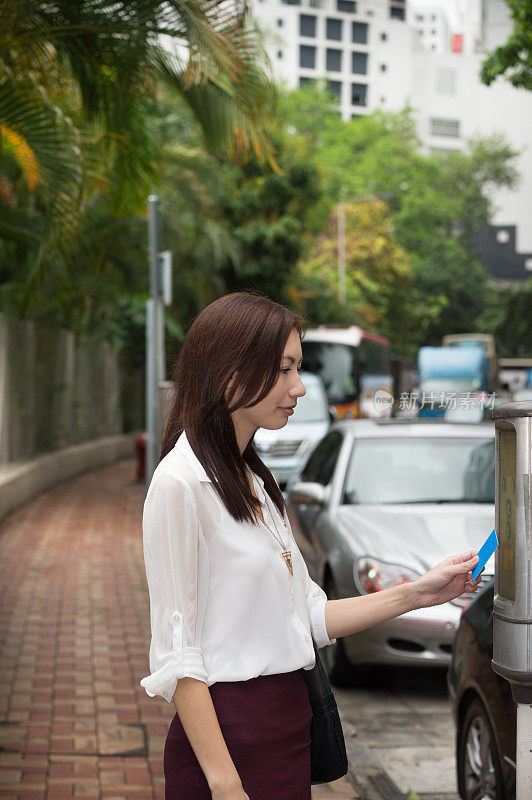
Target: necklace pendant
(287, 558)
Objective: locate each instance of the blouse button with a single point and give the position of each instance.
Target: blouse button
(176, 615)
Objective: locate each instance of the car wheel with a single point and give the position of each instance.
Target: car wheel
(479, 767)
(339, 669)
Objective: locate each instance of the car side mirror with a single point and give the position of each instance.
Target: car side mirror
(310, 494)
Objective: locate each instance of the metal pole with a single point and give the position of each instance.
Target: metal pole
(524, 751)
(341, 252)
(150, 383)
(154, 341)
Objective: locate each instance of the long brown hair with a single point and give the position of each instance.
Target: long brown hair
(243, 333)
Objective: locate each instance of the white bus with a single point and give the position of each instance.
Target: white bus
(353, 365)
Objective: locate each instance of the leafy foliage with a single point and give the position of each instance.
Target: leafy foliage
(437, 204)
(80, 85)
(513, 59)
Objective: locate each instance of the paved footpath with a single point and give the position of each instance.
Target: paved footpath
(74, 638)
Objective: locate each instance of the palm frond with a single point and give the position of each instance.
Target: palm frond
(43, 142)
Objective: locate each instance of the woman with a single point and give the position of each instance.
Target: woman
(233, 609)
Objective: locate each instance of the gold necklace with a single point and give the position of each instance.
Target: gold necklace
(286, 555)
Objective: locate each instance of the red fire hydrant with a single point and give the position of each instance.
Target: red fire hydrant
(140, 447)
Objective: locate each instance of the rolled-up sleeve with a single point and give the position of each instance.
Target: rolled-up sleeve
(176, 562)
(316, 599)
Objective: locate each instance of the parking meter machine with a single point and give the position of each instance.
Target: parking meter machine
(512, 605)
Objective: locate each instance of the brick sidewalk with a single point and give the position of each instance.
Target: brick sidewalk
(74, 722)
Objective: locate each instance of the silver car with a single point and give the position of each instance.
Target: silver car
(285, 450)
(378, 504)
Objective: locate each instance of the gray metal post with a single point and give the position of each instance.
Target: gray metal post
(341, 252)
(155, 360)
(512, 604)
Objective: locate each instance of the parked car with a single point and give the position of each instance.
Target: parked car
(378, 503)
(285, 450)
(483, 708)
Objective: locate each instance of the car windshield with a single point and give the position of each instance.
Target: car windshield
(418, 470)
(312, 407)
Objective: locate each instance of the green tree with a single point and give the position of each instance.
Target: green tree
(508, 316)
(267, 212)
(438, 203)
(77, 82)
(378, 277)
(513, 59)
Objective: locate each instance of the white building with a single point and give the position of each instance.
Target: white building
(431, 25)
(381, 54)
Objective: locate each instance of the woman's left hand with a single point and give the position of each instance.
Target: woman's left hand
(447, 580)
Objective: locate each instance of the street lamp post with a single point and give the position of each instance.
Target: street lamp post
(160, 295)
(341, 252)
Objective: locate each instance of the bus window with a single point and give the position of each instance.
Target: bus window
(336, 366)
(375, 357)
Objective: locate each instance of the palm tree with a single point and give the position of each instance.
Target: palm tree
(102, 62)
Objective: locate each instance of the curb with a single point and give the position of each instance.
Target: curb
(22, 480)
(365, 772)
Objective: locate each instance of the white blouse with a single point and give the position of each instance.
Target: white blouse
(223, 604)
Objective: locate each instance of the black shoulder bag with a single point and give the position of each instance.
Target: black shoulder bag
(327, 746)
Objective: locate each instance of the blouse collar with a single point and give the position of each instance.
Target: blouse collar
(186, 448)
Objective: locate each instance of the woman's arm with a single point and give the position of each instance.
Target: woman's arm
(449, 579)
(194, 705)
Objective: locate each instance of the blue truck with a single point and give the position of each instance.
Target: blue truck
(450, 375)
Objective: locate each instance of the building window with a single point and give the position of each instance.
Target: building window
(357, 116)
(333, 60)
(383, 100)
(335, 87)
(445, 127)
(359, 94)
(419, 17)
(445, 81)
(279, 54)
(334, 29)
(359, 63)
(304, 81)
(280, 23)
(291, 2)
(383, 67)
(307, 56)
(384, 37)
(347, 6)
(307, 25)
(359, 32)
(397, 12)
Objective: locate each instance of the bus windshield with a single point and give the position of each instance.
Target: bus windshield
(336, 364)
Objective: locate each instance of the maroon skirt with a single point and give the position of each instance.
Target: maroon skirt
(265, 722)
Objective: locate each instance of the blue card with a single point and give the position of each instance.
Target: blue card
(487, 550)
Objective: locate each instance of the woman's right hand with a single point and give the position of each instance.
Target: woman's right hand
(233, 791)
